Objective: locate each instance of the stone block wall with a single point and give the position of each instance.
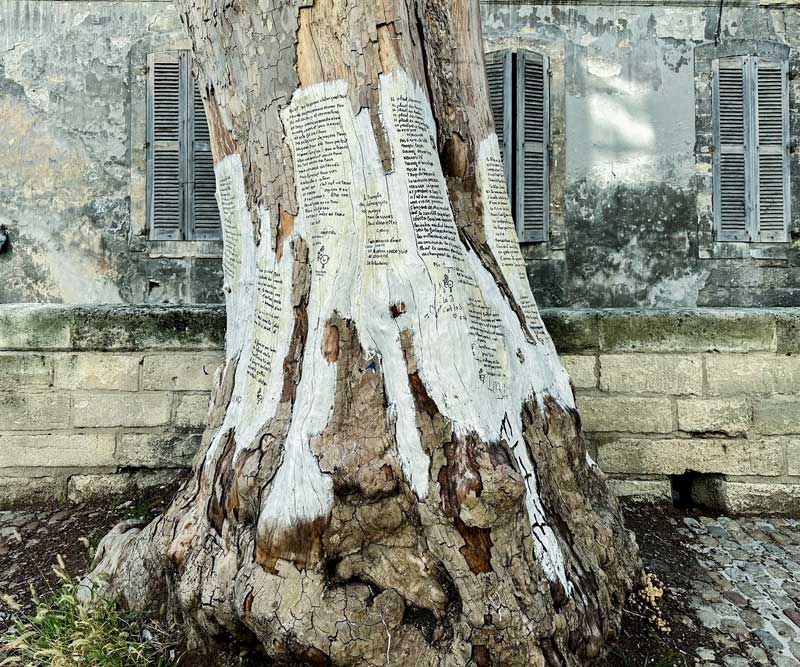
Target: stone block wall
(96, 401)
(104, 399)
(711, 392)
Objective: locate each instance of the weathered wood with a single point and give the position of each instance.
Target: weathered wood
(393, 471)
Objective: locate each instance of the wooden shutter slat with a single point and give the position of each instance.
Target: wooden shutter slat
(731, 202)
(772, 161)
(205, 212)
(532, 204)
(498, 78)
(164, 150)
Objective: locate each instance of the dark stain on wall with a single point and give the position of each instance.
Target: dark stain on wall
(624, 241)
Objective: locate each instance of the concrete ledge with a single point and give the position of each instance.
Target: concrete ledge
(124, 327)
(116, 327)
(674, 330)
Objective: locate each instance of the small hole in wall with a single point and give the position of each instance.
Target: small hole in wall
(696, 490)
(682, 489)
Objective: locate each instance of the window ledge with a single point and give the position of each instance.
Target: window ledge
(745, 250)
(177, 249)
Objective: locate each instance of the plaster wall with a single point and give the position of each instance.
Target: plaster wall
(630, 165)
(72, 115)
(635, 184)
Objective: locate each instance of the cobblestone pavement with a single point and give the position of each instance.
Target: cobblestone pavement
(750, 600)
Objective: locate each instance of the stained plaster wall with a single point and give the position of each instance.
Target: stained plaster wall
(630, 175)
(72, 170)
(632, 197)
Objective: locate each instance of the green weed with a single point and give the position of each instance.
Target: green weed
(64, 631)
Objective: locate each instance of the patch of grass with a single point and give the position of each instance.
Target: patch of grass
(65, 631)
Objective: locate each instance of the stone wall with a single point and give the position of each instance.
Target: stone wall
(96, 401)
(709, 391)
(630, 168)
(99, 399)
(72, 157)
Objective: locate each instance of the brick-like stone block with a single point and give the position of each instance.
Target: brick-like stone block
(57, 450)
(651, 373)
(573, 331)
(121, 409)
(787, 333)
(192, 411)
(180, 371)
(653, 490)
(793, 455)
(581, 369)
(777, 416)
(756, 498)
(625, 414)
(34, 327)
(686, 331)
(29, 412)
(91, 370)
(91, 487)
(82, 488)
(148, 327)
(752, 374)
(733, 416)
(157, 450)
(676, 456)
(31, 491)
(25, 370)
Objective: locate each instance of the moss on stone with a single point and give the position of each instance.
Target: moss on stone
(686, 331)
(147, 327)
(788, 332)
(573, 331)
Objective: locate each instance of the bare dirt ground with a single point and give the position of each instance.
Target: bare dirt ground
(729, 596)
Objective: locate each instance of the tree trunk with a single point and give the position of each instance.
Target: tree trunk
(393, 472)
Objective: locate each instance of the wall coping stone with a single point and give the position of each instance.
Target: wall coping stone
(575, 331)
(110, 327)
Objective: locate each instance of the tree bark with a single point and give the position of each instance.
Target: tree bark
(393, 471)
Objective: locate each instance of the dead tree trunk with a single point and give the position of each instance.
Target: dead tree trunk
(393, 472)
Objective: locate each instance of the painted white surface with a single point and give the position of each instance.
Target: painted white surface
(376, 240)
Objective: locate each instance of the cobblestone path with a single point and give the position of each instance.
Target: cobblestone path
(750, 601)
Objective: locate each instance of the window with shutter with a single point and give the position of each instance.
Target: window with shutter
(751, 169)
(532, 136)
(164, 147)
(772, 151)
(180, 171)
(205, 217)
(498, 76)
(519, 98)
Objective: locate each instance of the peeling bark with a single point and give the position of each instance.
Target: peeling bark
(393, 471)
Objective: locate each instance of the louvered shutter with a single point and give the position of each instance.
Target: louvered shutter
(532, 159)
(772, 166)
(165, 130)
(205, 218)
(498, 76)
(732, 200)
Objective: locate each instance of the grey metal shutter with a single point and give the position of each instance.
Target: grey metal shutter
(532, 146)
(205, 218)
(498, 76)
(164, 137)
(772, 164)
(733, 203)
